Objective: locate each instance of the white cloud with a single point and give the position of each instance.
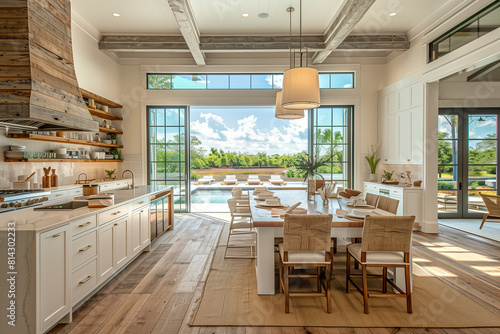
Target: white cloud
(489, 122)
(203, 129)
(209, 116)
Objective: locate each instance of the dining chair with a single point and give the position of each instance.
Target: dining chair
(386, 243)
(306, 243)
(371, 199)
(388, 204)
(241, 224)
(492, 203)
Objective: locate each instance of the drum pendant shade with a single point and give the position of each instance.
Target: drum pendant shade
(300, 89)
(286, 113)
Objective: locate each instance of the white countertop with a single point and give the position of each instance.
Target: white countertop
(73, 186)
(395, 185)
(37, 221)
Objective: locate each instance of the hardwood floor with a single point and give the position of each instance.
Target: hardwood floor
(159, 290)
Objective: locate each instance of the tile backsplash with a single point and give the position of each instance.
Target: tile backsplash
(417, 171)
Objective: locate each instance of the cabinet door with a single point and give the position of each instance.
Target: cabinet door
(120, 242)
(136, 231)
(404, 155)
(105, 262)
(145, 227)
(392, 138)
(152, 220)
(54, 275)
(417, 135)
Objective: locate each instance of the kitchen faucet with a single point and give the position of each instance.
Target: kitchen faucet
(133, 176)
(84, 181)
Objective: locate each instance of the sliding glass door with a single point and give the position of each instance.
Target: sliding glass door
(168, 152)
(468, 161)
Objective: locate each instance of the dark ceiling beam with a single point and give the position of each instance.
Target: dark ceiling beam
(342, 25)
(189, 30)
(250, 43)
(374, 42)
(482, 74)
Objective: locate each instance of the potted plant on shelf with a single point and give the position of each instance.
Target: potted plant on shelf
(306, 166)
(373, 162)
(110, 174)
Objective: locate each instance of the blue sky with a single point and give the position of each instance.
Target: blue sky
(477, 129)
(248, 130)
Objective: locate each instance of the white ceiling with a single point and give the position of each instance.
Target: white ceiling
(136, 17)
(224, 17)
(409, 13)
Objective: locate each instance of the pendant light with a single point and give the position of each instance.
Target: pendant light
(286, 113)
(280, 111)
(300, 84)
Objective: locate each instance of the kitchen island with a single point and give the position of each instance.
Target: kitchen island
(55, 260)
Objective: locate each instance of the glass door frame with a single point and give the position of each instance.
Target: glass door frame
(184, 178)
(463, 157)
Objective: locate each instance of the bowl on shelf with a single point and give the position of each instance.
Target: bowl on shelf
(107, 141)
(60, 151)
(62, 156)
(17, 148)
(108, 156)
(14, 154)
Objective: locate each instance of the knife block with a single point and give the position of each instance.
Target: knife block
(46, 180)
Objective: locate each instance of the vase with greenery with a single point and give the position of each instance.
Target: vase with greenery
(373, 162)
(306, 166)
(387, 176)
(110, 174)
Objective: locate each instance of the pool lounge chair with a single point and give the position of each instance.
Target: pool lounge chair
(276, 179)
(206, 179)
(230, 179)
(253, 179)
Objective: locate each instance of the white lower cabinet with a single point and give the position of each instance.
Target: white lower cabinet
(84, 280)
(112, 247)
(141, 233)
(410, 198)
(54, 264)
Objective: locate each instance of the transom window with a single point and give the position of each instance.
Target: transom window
(161, 81)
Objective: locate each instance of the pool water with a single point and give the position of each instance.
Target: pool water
(210, 196)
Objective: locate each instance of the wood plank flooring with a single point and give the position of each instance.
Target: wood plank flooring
(158, 292)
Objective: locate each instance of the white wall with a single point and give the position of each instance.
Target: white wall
(135, 99)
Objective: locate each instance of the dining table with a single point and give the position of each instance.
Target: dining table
(269, 227)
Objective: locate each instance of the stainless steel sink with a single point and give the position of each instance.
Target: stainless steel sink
(66, 206)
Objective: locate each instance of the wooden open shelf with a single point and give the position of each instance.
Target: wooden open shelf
(99, 99)
(106, 130)
(62, 160)
(30, 136)
(103, 114)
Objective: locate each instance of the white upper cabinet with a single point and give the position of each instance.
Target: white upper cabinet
(404, 99)
(400, 125)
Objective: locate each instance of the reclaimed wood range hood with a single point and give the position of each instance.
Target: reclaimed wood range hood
(38, 85)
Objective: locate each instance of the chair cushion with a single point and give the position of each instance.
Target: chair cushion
(303, 257)
(376, 257)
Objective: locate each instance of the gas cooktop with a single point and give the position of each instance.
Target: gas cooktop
(15, 192)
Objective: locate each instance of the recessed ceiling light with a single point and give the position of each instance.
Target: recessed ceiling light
(263, 15)
(393, 14)
(116, 14)
(245, 15)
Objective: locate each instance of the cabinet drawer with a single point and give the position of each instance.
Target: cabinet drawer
(113, 214)
(57, 195)
(83, 224)
(140, 202)
(83, 281)
(84, 248)
(397, 193)
(75, 192)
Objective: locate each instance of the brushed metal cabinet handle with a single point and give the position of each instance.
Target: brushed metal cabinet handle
(85, 224)
(56, 235)
(116, 213)
(85, 248)
(85, 280)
